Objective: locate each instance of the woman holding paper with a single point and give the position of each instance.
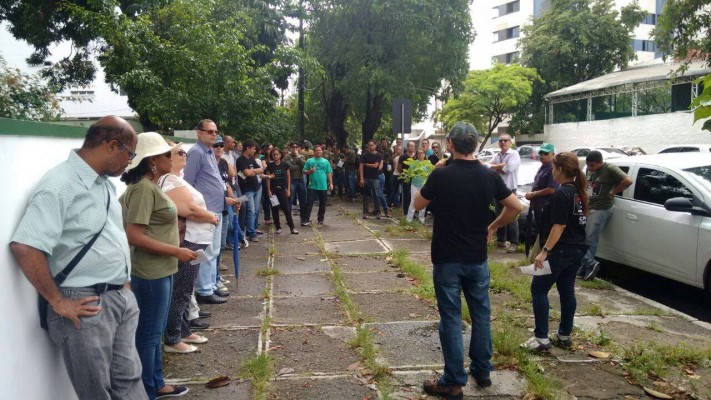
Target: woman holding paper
(563, 234)
(279, 189)
(198, 224)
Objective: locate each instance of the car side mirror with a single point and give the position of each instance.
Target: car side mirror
(684, 204)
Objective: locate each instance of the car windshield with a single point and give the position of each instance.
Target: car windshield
(613, 150)
(702, 175)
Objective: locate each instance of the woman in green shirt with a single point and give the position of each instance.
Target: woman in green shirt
(151, 221)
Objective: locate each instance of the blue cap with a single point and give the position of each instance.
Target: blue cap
(219, 139)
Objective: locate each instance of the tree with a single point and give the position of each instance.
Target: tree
(684, 32)
(26, 97)
(490, 96)
(376, 50)
(571, 42)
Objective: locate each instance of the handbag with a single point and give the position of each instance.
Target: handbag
(62, 276)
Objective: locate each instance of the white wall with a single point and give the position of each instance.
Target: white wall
(31, 366)
(650, 132)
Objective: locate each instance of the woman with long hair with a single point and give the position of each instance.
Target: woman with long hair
(279, 184)
(199, 225)
(151, 221)
(416, 184)
(563, 237)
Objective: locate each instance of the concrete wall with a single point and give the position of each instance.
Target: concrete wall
(650, 132)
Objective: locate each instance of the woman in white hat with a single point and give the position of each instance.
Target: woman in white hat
(151, 221)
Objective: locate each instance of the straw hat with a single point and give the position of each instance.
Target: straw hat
(149, 144)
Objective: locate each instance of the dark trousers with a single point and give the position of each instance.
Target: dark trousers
(312, 195)
(406, 195)
(280, 193)
(178, 325)
(394, 198)
(508, 232)
(266, 205)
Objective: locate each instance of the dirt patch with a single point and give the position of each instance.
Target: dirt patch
(301, 264)
(376, 281)
(306, 285)
(385, 307)
(505, 385)
(310, 350)
(307, 310)
(576, 379)
(324, 388)
(210, 361)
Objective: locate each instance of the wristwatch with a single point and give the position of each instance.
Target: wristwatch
(546, 250)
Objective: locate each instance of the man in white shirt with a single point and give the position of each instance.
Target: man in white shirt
(506, 163)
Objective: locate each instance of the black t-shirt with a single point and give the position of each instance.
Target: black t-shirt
(369, 158)
(461, 194)
(279, 172)
(248, 183)
(564, 208)
(433, 159)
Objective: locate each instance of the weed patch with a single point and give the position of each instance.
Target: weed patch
(268, 272)
(260, 370)
(597, 284)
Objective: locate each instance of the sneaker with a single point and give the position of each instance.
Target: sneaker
(259, 233)
(244, 243)
(511, 248)
(176, 392)
(365, 215)
(563, 342)
(590, 275)
(536, 344)
(320, 222)
(500, 244)
(253, 239)
(223, 280)
(377, 216)
(306, 223)
(294, 232)
(278, 232)
(449, 392)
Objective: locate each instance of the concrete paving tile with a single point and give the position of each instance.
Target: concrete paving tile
(246, 311)
(235, 390)
(608, 379)
(306, 285)
(411, 245)
(408, 344)
(210, 360)
(354, 233)
(249, 285)
(296, 249)
(301, 264)
(356, 247)
(630, 330)
(307, 310)
(320, 388)
(350, 264)
(376, 281)
(386, 307)
(611, 301)
(309, 349)
(407, 385)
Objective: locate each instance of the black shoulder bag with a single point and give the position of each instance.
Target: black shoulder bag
(62, 276)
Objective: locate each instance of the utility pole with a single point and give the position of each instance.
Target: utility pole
(302, 79)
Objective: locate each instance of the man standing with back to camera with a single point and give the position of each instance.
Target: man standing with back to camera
(461, 194)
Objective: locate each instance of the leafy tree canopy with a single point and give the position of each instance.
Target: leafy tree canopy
(490, 96)
(26, 97)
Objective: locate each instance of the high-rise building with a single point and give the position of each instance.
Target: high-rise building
(498, 26)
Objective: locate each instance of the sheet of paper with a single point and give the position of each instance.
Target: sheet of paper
(274, 200)
(200, 257)
(340, 163)
(530, 269)
(243, 199)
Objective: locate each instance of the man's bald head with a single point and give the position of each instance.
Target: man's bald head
(107, 129)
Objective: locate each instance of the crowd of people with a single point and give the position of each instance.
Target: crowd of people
(122, 279)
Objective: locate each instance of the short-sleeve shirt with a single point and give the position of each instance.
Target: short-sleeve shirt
(247, 183)
(296, 165)
(66, 209)
(543, 180)
(319, 179)
(202, 173)
(461, 194)
(195, 232)
(350, 161)
(144, 203)
(370, 158)
(601, 183)
(279, 172)
(564, 208)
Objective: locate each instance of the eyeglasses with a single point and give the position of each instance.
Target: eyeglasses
(543, 153)
(182, 153)
(131, 154)
(435, 147)
(210, 131)
(504, 140)
(216, 145)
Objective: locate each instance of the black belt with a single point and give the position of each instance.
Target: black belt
(100, 288)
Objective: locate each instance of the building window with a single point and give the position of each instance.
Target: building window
(508, 33)
(644, 45)
(681, 97)
(507, 58)
(612, 106)
(509, 8)
(650, 19)
(570, 111)
(654, 101)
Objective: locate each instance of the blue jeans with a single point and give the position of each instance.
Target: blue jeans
(207, 275)
(251, 224)
(298, 191)
(350, 181)
(450, 280)
(597, 219)
(373, 188)
(564, 263)
(383, 201)
(153, 298)
(257, 205)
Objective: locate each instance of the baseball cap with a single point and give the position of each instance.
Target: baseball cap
(219, 139)
(547, 148)
(461, 129)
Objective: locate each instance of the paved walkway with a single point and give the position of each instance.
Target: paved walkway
(339, 318)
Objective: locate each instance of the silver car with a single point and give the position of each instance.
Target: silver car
(662, 223)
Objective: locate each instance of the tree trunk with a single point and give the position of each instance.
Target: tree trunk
(373, 115)
(336, 113)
